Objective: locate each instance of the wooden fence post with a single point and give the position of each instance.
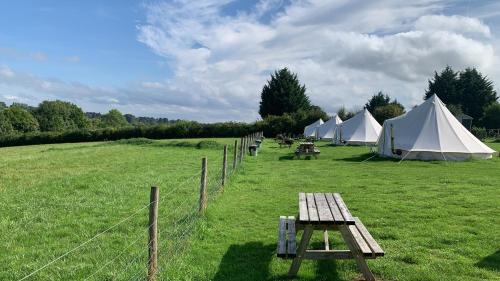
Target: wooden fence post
(203, 186)
(241, 150)
(224, 168)
(235, 154)
(153, 233)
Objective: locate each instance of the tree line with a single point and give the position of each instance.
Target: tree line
(286, 108)
(61, 116)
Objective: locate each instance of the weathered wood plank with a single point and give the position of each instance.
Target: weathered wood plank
(337, 216)
(325, 215)
(303, 211)
(292, 246)
(327, 255)
(343, 209)
(374, 246)
(360, 241)
(282, 237)
(311, 206)
(304, 241)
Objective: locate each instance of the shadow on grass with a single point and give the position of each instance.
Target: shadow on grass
(369, 157)
(491, 262)
(293, 157)
(249, 261)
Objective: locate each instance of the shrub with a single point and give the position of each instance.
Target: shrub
(182, 129)
(479, 132)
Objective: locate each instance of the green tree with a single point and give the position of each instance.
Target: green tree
(445, 86)
(21, 119)
(2, 105)
(5, 125)
(377, 100)
(344, 114)
(491, 118)
(467, 91)
(60, 116)
(476, 92)
(283, 94)
(382, 113)
(114, 119)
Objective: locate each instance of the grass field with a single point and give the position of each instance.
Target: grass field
(435, 220)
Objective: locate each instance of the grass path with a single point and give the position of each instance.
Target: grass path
(435, 220)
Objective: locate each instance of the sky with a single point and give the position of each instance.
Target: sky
(207, 60)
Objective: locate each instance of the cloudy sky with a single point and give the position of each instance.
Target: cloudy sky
(207, 60)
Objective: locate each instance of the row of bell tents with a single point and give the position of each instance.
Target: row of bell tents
(427, 132)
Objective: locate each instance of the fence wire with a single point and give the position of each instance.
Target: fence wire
(178, 220)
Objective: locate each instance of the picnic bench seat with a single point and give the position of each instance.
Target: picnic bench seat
(286, 238)
(325, 212)
(364, 240)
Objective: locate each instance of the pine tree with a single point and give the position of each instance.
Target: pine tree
(283, 94)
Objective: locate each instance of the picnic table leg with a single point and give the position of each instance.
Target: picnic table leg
(304, 242)
(356, 253)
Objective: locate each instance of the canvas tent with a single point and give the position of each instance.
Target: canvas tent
(430, 132)
(312, 130)
(326, 130)
(361, 129)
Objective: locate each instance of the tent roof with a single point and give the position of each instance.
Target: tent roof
(431, 127)
(361, 128)
(326, 129)
(310, 130)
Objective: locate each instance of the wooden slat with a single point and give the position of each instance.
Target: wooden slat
(337, 216)
(374, 246)
(327, 255)
(311, 206)
(292, 246)
(325, 215)
(282, 237)
(360, 241)
(343, 209)
(303, 212)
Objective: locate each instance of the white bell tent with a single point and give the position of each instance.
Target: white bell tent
(361, 129)
(326, 130)
(312, 130)
(430, 132)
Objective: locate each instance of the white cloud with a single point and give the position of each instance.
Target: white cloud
(456, 24)
(72, 59)
(6, 72)
(344, 51)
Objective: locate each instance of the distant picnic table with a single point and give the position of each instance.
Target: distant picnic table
(326, 212)
(307, 149)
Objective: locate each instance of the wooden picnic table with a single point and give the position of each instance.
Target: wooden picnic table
(326, 212)
(307, 148)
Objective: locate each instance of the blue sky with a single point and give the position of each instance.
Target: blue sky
(208, 59)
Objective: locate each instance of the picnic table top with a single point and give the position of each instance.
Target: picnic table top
(323, 208)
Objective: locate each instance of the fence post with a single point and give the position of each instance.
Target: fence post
(241, 150)
(153, 233)
(235, 154)
(203, 187)
(224, 168)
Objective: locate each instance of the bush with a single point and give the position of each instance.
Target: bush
(135, 141)
(208, 144)
(479, 132)
(182, 129)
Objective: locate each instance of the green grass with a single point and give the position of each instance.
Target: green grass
(54, 197)
(435, 220)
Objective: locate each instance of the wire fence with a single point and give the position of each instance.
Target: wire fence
(178, 218)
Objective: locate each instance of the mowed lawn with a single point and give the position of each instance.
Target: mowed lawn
(435, 220)
(55, 197)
